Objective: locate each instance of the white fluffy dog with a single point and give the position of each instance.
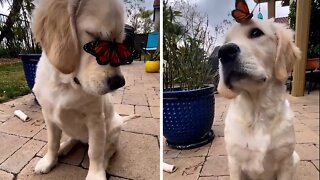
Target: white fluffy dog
(69, 83)
(254, 64)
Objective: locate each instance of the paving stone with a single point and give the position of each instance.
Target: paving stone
(136, 90)
(155, 112)
(187, 168)
(218, 121)
(42, 135)
(152, 92)
(137, 157)
(143, 111)
(306, 171)
(153, 100)
(124, 109)
(208, 178)
(4, 116)
(300, 127)
(61, 171)
(215, 166)
(26, 129)
(143, 125)
(316, 163)
(27, 99)
(5, 176)
(169, 154)
(311, 116)
(218, 130)
(43, 150)
(224, 178)
(312, 123)
(307, 137)
(75, 156)
(135, 99)
(21, 157)
(201, 151)
(307, 151)
(116, 178)
(9, 144)
(218, 147)
(116, 97)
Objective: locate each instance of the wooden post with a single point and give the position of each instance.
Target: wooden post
(271, 9)
(301, 39)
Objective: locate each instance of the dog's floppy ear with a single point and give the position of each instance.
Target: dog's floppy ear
(54, 27)
(287, 52)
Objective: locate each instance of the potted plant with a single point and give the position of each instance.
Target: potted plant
(188, 93)
(152, 64)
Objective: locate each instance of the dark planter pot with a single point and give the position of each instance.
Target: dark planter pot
(188, 117)
(30, 62)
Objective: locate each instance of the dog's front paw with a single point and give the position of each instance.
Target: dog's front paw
(101, 175)
(45, 164)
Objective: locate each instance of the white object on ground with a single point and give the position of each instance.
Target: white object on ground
(169, 167)
(21, 115)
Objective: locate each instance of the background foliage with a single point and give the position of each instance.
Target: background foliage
(15, 32)
(140, 18)
(187, 42)
(314, 31)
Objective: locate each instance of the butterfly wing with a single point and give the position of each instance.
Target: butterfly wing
(242, 6)
(123, 51)
(241, 14)
(98, 49)
(107, 51)
(113, 57)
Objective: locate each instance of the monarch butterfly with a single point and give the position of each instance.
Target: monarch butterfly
(242, 14)
(107, 52)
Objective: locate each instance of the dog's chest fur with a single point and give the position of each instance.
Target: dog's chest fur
(257, 137)
(68, 108)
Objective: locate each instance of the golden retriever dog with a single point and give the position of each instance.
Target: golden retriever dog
(71, 86)
(254, 64)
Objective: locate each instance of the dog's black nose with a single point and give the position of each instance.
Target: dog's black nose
(116, 82)
(228, 52)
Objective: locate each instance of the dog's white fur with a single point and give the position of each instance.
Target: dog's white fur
(259, 132)
(81, 111)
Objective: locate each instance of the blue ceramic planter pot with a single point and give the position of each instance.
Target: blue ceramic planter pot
(30, 62)
(188, 117)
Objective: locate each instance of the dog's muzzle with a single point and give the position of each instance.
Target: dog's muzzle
(231, 67)
(229, 53)
(116, 82)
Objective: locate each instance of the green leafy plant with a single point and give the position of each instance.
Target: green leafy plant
(153, 56)
(186, 47)
(314, 31)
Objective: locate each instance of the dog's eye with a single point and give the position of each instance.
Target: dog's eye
(255, 33)
(93, 35)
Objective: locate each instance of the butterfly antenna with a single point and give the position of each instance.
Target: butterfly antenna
(254, 8)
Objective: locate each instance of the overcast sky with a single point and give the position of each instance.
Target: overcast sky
(218, 10)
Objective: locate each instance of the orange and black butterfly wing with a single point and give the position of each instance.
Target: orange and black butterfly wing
(241, 14)
(241, 17)
(98, 49)
(123, 51)
(113, 57)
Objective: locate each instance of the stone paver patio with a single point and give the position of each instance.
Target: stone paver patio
(23, 143)
(210, 161)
